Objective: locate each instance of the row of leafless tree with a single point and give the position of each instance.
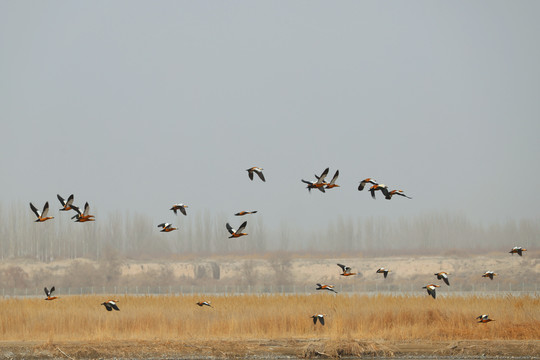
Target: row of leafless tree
(134, 235)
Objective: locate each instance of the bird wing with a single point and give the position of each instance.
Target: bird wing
(343, 267)
(86, 209)
(47, 292)
(52, 290)
(162, 225)
(114, 306)
(334, 178)
(307, 182)
(385, 191)
(372, 191)
(362, 185)
(321, 319)
(320, 180)
(70, 200)
(250, 173)
(242, 227)
(35, 210)
(107, 306)
(445, 279)
(45, 209)
(62, 201)
(183, 210)
(230, 229)
(261, 175)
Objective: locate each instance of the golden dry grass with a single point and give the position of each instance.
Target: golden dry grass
(78, 318)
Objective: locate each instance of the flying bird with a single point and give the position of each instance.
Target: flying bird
(180, 207)
(319, 184)
(484, 318)
(83, 216)
(41, 216)
(110, 305)
(517, 250)
(366, 181)
(383, 271)
(242, 213)
(49, 294)
(236, 233)
(347, 271)
(166, 227)
(443, 276)
(332, 183)
(326, 287)
(204, 303)
(319, 317)
(256, 170)
(66, 204)
(383, 188)
(490, 274)
(396, 192)
(431, 289)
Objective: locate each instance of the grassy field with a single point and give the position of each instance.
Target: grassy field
(142, 318)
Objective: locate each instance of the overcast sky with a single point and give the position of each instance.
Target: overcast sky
(140, 104)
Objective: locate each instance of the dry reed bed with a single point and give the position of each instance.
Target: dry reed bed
(77, 318)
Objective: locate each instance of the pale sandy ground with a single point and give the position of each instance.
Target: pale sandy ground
(269, 349)
(463, 270)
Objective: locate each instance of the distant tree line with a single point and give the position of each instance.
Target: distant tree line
(203, 233)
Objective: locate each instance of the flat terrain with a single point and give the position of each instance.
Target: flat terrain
(271, 349)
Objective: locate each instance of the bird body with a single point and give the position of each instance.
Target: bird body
(431, 289)
(319, 183)
(49, 294)
(204, 303)
(484, 318)
(83, 216)
(110, 305)
(242, 213)
(517, 250)
(490, 274)
(379, 187)
(396, 192)
(319, 317)
(166, 227)
(367, 181)
(256, 170)
(180, 207)
(326, 287)
(41, 216)
(66, 204)
(236, 233)
(443, 275)
(383, 271)
(347, 271)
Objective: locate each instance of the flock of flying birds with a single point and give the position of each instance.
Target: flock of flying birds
(319, 183)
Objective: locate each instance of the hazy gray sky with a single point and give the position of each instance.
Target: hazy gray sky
(138, 105)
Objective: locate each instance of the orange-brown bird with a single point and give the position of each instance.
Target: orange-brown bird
(383, 188)
(242, 213)
(326, 287)
(366, 181)
(256, 170)
(490, 274)
(236, 233)
(41, 216)
(347, 271)
(83, 216)
(204, 303)
(180, 207)
(110, 305)
(319, 317)
(319, 183)
(396, 192)
(66, 204)
(517, 250)
(49, 294)
(166, 227)
(484, 318)
(383, 271)
(443, 275)
(431, 289)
